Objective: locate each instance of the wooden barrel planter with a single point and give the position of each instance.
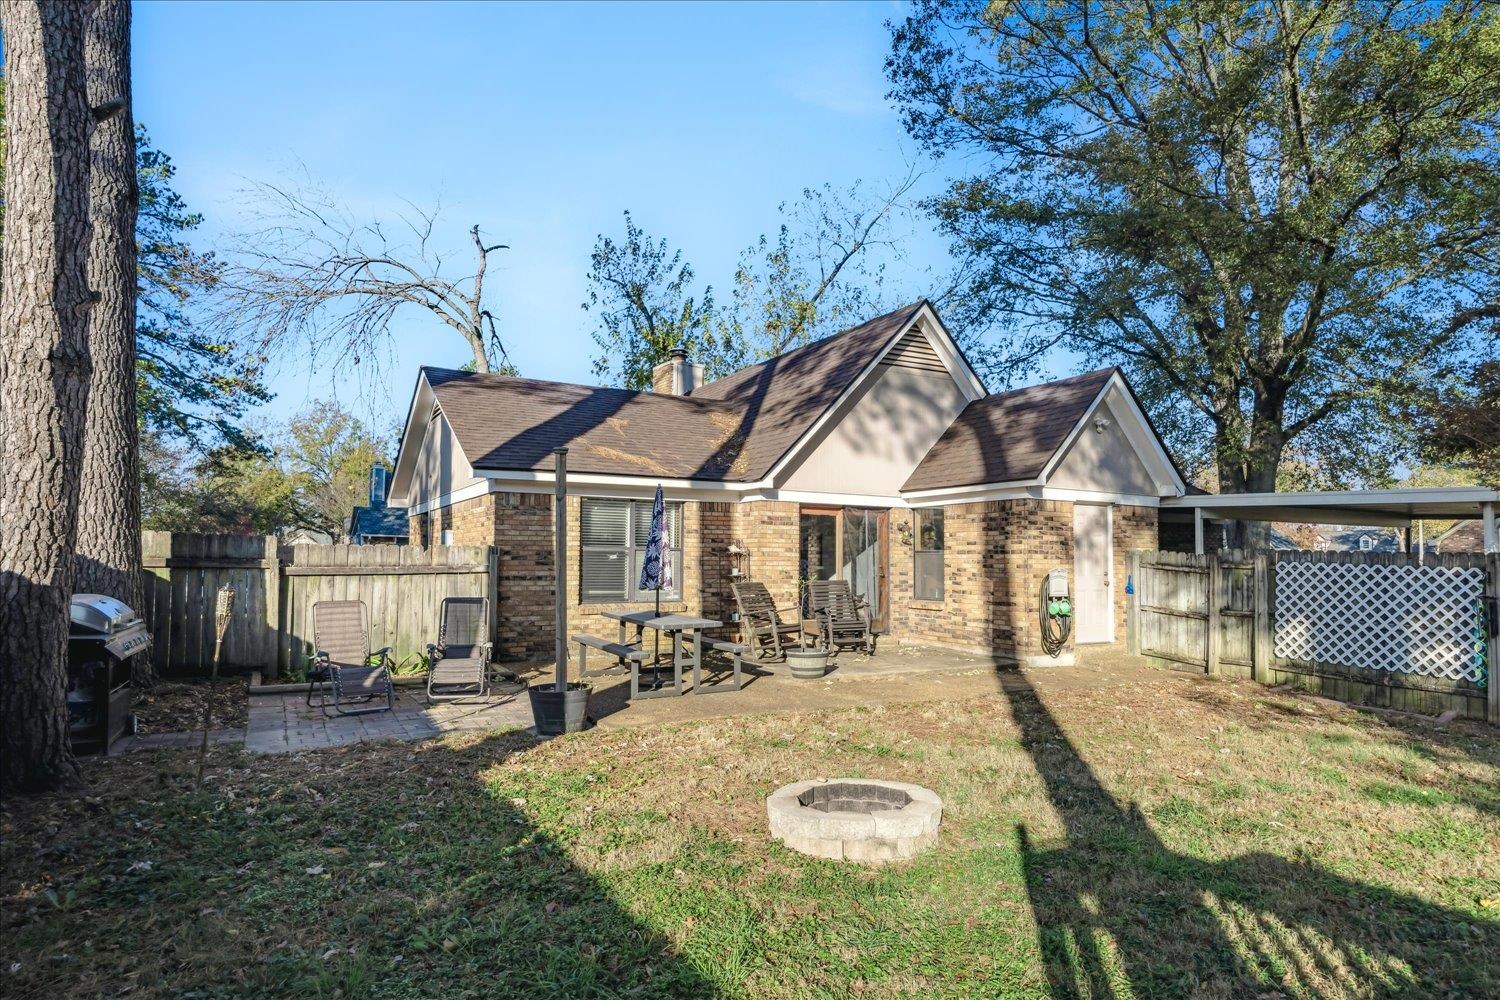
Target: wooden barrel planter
(807, 664)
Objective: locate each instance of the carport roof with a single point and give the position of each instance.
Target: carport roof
(1394, 508)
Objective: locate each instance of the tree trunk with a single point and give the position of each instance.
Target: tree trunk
(109, 496)
(1253, 466)
(44, 377)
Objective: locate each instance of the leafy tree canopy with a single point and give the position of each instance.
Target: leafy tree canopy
(311, 473)
(641, 293)
(190, 385)
(822, 271)
(1458, 423)
(1280, 217)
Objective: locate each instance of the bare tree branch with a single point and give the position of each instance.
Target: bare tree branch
(311, 275)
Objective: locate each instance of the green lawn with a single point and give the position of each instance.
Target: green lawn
(1179, 837)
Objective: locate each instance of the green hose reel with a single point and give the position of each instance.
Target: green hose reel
(1055, 611)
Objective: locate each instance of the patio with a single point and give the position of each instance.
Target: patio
(283, 723)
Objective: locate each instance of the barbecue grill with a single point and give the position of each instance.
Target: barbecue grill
(103, 634)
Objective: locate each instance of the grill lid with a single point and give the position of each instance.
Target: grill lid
(99, 614)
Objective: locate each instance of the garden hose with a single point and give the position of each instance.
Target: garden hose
(1056, 614)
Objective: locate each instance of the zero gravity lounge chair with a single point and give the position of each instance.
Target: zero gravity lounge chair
(341, 636)
(460, 659)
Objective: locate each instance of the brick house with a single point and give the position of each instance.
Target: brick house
(875, 456)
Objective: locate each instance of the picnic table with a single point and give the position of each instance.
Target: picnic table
(684, 638)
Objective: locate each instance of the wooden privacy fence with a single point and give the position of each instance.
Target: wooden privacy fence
(1372, 628)
(277, 585)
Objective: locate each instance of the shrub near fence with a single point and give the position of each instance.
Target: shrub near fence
(277, 585)
(1372, 628)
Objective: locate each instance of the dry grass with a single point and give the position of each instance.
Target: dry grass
(1153, 839)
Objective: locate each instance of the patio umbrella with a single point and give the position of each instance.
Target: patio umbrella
(656, 570)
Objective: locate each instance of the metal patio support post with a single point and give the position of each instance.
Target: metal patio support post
(1492, 592)
(1198, 530)
(560, 574)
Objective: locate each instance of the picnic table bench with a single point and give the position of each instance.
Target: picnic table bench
(685, 650)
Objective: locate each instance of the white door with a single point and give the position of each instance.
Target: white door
(1093, 553)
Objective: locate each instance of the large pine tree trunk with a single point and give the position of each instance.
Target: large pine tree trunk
(44, 376)
(109, 497)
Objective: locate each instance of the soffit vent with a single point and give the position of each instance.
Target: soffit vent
(915, 351)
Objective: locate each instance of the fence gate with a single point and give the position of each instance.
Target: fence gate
(1373, 628)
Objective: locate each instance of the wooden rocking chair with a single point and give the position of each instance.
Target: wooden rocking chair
(838, 618)
(761, 625)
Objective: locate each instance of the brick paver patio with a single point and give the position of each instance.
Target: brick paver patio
(282, 723)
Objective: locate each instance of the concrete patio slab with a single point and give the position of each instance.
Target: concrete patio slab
(283, 723)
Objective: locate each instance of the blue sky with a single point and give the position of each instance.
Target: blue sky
(541, 123)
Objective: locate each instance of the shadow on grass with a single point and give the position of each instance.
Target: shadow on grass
(376, 870)
(1119, 912)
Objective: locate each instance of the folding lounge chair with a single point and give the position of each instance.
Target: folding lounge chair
(837, 617)
(761, 624)
(459, 661)
(341, 635)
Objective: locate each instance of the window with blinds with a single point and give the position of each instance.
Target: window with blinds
(927, 575)
(613, 550)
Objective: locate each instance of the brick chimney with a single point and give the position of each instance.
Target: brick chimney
(677, 376)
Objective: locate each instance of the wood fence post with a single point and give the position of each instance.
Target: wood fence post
(492, 591)
(271, 574)
(1492, 615)
(1133, 603)
(1260, 642)
(1212, 641)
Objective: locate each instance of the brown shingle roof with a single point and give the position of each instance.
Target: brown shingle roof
(1007, 437)
(734, 429)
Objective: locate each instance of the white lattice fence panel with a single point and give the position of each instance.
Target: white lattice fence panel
(1425, 620)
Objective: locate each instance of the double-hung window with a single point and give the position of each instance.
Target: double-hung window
(927, 576)
(613, 550)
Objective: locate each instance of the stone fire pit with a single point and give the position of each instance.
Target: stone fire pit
(855, 819)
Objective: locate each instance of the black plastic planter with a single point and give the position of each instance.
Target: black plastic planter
(557, 712)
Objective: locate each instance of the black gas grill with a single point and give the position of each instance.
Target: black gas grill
(103, 634)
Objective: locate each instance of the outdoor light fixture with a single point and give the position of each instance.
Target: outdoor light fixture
(1101, 424)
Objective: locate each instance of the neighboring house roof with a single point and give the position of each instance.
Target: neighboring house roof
(731, 430)
(1010, 436)
(1465, 536)
(1340, 539)
(378, 522)
(306, 536)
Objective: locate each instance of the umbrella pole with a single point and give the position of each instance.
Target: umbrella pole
(656, 656)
